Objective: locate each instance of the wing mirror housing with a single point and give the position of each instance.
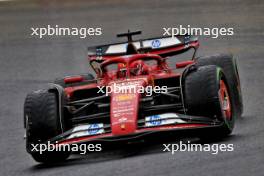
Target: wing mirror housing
(183, 64)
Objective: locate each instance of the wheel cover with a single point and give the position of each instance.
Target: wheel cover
(225, 101)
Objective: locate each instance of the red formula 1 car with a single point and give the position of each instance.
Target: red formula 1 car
(200, 93)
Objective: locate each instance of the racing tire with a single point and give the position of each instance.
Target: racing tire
(228, 63)
(207, 93)
(42, 123)
(87, 77)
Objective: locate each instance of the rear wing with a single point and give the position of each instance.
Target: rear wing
(163, 46)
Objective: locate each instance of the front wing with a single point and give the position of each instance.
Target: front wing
(96, 132)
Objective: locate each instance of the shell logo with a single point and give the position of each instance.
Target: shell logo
(124, 97)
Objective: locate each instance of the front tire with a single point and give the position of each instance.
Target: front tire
(207, 93)
(228, 63)
(42, 123)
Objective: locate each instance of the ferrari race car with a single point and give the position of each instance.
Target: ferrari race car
(199, 93)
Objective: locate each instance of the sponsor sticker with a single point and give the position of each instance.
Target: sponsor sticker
(86, 130)
(94, 128)
(156, 43)
(162, 119)
(124, 97)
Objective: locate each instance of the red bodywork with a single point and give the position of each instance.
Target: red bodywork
(124, 107)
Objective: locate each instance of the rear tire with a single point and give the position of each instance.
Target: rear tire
(42, 123)
(202, 88)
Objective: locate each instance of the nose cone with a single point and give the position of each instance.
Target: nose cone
(125, 98)
(124, 111)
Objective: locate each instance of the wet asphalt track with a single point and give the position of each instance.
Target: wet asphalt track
(26, 63)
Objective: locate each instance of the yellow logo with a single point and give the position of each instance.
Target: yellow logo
(124, 97)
